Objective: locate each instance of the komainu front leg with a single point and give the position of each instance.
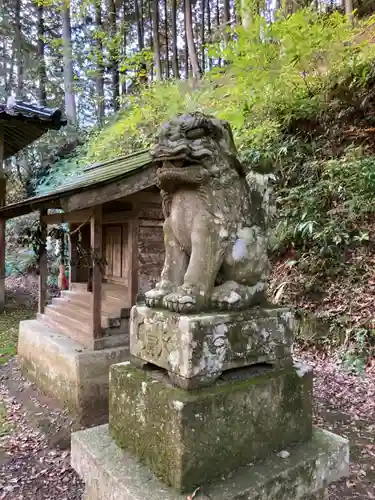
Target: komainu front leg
(205, 261)
(172, 275)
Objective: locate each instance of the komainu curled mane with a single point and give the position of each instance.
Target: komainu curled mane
(214, 229)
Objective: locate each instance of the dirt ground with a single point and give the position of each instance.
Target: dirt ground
(34, 452)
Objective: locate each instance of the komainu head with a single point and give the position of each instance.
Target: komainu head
(193, 148)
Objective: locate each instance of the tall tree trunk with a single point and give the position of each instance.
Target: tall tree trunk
(166, 38)
(186, 50)
(18, 48)
(155, 35)
(70, 103)
(197, 72)
(112, 18)
(41, 59)
(139, 23)
(203, 41)
(349, 9)
(9, 79)
(99, 80)
(226, 20)
(218, 24)
(142, 70)
(151, 43)
(209, 33)
(124, 43)
(176, 72)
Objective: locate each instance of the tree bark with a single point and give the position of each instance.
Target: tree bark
(218, 23)
(142, 69)
(151, 37)
(166, 38)
(226, 20)
(209, 33)
(138, 20)
(175, 68)
(186, 50)
(203, 41)
(156, 41)
(99, 80)
(70, 103)
(349, 9)
(112, 18)
(41, 59)
(18, 48)
(197, 72)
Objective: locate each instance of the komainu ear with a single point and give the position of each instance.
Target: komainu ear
(228, 144)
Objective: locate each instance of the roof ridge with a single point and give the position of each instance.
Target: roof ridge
(93, 166)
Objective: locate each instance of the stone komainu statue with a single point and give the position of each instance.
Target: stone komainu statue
(215, 225)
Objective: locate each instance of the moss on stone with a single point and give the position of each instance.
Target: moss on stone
(177, 433)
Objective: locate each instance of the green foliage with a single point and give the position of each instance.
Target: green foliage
(279, 74)
(357, 350)
(327, 210)
(9, 325)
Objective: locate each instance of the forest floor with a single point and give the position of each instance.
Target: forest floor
(35, 432)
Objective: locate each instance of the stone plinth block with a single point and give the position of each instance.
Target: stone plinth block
(195, 349)
(111, 473)
(188, 438)
(75, 376)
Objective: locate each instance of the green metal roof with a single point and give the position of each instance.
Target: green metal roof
(93, 175)
(99, 173)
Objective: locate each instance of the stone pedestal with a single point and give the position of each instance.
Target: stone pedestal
(111, 473)
(188, 438)
(196, 349)
(215, 400)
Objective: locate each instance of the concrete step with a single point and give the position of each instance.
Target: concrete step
(75, 333)
(81, 313)
(110, 305)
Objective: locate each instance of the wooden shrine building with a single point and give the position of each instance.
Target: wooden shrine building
(114, 213)
(114, 210)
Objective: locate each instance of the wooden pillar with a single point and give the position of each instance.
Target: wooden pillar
(133, 233)
(96, 247)
(72, 256)
(43, 271)
(2, 220)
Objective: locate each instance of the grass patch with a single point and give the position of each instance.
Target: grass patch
(9, 324)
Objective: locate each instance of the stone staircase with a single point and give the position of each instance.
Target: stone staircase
(71, 315)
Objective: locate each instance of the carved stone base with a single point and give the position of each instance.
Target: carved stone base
(190, 438)
(196, 349)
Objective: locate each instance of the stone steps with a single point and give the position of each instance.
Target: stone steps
(111, 304)
(71, 314)
(77, 331)
(84, 312)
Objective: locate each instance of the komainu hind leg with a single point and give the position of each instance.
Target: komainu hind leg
(172, 275)
(232, 296)
(205, 261)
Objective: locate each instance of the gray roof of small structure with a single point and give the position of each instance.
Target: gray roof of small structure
(23, 123)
